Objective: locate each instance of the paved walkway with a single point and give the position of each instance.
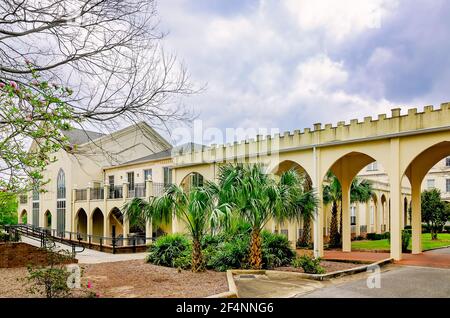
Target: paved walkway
(395, 281)
(91, 256)
(355, 256)
(439, 258)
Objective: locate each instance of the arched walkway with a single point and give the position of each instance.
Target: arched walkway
(115, 223)
(23, 217)
(416, 171)
(297, 231)
(97, 221)
(81, 221)
(193, 179)
(339, 196)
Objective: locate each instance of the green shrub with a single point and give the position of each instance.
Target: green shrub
(408, 227)
(276, 250)
(172, 250)
(376, 236)
(309, 264)
(447, 228)
(230, 255)
(406, 238)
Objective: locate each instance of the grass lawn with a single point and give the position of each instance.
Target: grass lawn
(427, 243)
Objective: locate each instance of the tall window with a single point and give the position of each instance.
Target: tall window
(447, 185)
(196, 180)
(61, 202)
(167, 175)
(447, 161)
(35, 207)
(130, 178)
(430, 184)
(147, 174)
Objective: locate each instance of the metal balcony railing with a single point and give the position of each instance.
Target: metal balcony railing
(138, 191)
(159, 188)
(97, 193)
(115, 192)
(80, 194)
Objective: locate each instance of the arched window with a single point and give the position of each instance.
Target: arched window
(61, 185)
(61, 202)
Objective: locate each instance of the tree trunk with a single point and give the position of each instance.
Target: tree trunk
(334, 234)
(433, 232)
(306, 234)
(198, 264)
(255, 250)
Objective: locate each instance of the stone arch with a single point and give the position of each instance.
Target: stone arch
(23, 217)
(286, 165)
(349, 165)
(115, 223)
(419, 166)
(81, 223)
(48, 219)
(345, 168)
(97, 223)
(293, 230)
(192, 179)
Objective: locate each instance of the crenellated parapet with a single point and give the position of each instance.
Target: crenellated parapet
(384, 126)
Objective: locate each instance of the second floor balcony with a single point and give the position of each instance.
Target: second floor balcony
(120, 192)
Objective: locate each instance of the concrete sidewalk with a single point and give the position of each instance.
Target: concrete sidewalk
(91, 256)
(439, 258)
(367, 257)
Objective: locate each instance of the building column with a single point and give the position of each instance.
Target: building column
(358, 219)
(396, 206)
(292, 236)
(416, 217)
(318, 224)
(148, 232)
(148, 188)
(346, 227)
(126, 230)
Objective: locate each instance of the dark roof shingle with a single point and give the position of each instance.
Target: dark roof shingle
(79, 136)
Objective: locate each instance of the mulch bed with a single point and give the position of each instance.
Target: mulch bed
(17, 254)
(129, 279)
(329, 267)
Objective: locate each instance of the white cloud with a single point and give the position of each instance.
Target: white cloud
(338, 18)
(264, 69)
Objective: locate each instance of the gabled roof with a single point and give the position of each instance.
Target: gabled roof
(80, 136)
(165, 154)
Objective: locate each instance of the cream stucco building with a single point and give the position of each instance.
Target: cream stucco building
(401, 153)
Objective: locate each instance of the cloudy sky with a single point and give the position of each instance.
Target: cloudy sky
(289, 64)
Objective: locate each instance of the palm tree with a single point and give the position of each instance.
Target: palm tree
(360, 191)
(257, 198)
(198, 208)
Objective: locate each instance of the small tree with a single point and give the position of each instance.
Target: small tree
(51, 280)
(198, 208)
(256, 198)
(8, 208)
(435, 212)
